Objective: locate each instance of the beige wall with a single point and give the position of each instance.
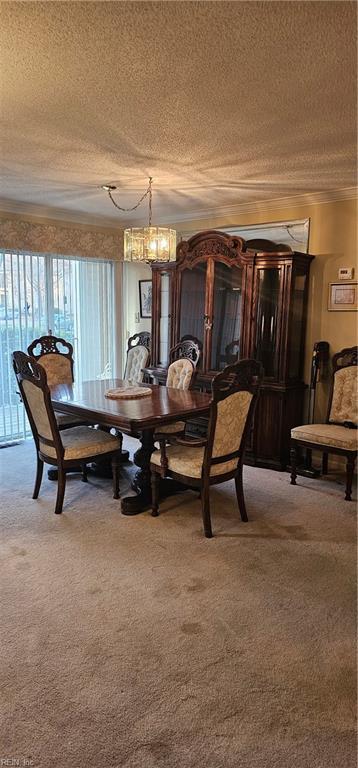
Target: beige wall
(333, 242)
(133, 272)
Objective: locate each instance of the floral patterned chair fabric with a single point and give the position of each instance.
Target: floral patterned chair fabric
(339, 434)
(345, 396)
(202, 463)
(58, 367)
(68, 449)
(180, 376)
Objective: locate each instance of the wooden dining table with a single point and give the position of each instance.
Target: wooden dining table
(139, 417)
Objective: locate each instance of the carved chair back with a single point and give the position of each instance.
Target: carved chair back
(138, 355)
(143, 338)
(56, 357)
(180, 374)
(234, 396)
(188, 348)
(35, 394)
(343, 401)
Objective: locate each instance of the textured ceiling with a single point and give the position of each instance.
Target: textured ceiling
(221, 102)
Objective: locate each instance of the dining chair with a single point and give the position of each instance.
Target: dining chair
(188, 348)
(138, 356)
(67, 449)
(56, 357)
(218, 458)
(180, 375)
(339, 434)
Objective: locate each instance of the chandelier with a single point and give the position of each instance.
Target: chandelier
(145, 243)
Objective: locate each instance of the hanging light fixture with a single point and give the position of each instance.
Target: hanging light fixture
(145, 243)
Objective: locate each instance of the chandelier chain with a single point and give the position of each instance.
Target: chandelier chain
(146, 193)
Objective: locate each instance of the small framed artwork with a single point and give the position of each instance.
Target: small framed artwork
(343, 297)
(145, 298)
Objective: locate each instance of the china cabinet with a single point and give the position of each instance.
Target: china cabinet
(239, 299)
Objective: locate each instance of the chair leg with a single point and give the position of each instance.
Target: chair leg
(205, 510)
(154, 478)
(84, 472)
(115, 475)
(240, 495)
(118, 434)
(351, 460)
(324, 463)
(61, 485)
(293, 457)
(40, 468)
(120, 438)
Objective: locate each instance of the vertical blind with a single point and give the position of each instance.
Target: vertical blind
(72, 298)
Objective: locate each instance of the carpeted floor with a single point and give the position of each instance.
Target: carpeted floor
(136, 642)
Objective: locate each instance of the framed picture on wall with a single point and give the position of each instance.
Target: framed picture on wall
(343, 297)
(145, 298)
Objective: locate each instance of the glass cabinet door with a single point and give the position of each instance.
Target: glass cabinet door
(227, 300)
(296, 338)
(164, 318)
(267, 316)
(192, 302)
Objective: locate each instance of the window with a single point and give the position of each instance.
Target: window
(72, 298)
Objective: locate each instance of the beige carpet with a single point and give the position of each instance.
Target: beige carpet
(136, 642)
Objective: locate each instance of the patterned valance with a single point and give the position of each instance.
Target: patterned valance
(21, 235)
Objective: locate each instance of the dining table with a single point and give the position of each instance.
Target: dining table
(139, 417)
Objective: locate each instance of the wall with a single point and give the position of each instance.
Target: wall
(133, 323)
(333, 242)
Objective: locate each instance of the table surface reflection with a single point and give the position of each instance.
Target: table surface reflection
(165, 404)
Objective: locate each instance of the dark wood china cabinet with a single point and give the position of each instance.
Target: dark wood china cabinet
(239, 299)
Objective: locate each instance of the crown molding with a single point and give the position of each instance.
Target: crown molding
(72, 217)
(312, 198)
(34, 211)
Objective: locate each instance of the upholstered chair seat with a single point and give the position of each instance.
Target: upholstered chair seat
(201, 463)
(64, 420)
(171, 429)
(188, 460)
(327, 435)
(82, 442)
(68, 449)
(339, 434)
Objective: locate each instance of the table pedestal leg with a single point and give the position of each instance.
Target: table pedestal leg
(133, 505)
